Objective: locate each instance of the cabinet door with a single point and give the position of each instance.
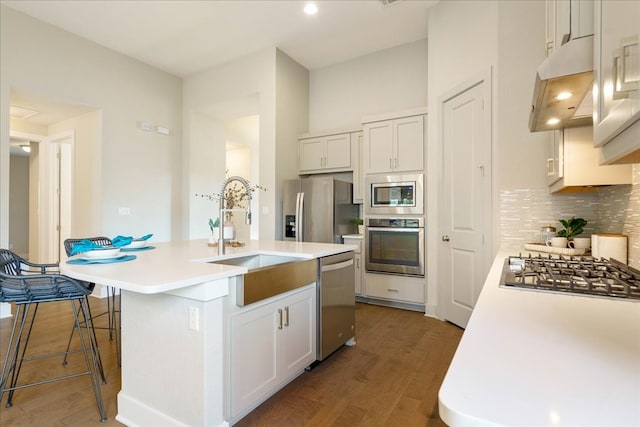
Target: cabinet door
(617, 68)
(408, 136)
(311, 154)
(378, 147)
(338, 152)
(253, 339)
(358, 260)
(297, 345)
(554, 156)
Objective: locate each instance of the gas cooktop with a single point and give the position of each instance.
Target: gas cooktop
(584, 275)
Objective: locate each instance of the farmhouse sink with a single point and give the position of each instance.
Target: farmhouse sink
(252, 262)
(270, 275)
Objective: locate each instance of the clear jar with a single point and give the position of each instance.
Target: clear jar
(546, 233)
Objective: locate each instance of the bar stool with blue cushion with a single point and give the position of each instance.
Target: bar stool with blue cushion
(112, 307)
(28, 285)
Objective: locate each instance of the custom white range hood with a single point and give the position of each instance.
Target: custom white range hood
(567, 72)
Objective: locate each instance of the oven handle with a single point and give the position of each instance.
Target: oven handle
(402, 230)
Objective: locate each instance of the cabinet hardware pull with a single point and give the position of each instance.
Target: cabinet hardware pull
(392, 290)
(390, 163)
(445, 238)
(286, 316)
(396, 163)
(279, 318)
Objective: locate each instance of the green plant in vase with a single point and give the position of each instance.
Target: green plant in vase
(572, 227)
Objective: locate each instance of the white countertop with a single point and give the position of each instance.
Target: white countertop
(353, 236)
(176, 265)
(537, 358)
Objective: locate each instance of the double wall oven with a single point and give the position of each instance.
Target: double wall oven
(394, 224)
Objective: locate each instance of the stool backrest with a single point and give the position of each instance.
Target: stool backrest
(10, 263)
(102, 241)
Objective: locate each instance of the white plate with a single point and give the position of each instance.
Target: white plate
(136, 244)
(106, 253)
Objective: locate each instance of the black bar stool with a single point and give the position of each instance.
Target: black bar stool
(28, 285)
(113, 310)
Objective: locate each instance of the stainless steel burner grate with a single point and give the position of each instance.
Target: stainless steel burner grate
(576, 275)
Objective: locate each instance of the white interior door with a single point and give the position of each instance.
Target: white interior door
(466, 193)
(59, 193)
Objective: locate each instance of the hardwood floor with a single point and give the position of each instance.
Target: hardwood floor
(391, 377)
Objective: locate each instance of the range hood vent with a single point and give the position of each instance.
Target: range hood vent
(568, 70)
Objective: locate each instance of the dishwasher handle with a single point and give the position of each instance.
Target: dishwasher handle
(337, 266)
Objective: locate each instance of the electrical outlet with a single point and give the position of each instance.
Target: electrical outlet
(194, 318)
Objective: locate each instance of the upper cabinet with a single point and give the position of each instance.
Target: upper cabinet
(394, 145)
(573, 164)
(617, 80)
(318, 153)
(567, 19)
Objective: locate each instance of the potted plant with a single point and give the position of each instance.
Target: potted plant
(360, 223)
(571, 227)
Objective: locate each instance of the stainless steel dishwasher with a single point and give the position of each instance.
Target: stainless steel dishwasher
(336, 303)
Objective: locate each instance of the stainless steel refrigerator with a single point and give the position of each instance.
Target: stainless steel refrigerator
(318, 209)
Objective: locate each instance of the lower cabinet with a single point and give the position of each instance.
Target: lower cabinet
(270, 344)
(358, 260)
(396, 288)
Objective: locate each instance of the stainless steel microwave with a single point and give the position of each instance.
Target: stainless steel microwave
(394, 194)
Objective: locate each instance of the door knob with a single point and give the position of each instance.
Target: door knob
(445, 238)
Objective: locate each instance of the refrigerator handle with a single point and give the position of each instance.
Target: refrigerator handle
(299, 217)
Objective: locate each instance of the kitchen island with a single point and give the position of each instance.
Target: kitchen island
(176, 310)
(539, 358)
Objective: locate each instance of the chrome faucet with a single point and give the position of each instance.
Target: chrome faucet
(247, 218)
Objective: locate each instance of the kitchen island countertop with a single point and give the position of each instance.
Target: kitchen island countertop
(539, 358)
(180, 264)
(176, 306)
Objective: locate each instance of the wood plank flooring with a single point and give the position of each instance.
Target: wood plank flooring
(390, 378)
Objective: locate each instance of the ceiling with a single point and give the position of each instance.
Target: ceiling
(185, 37)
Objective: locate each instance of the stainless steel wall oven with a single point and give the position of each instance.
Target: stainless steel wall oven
(395, 245)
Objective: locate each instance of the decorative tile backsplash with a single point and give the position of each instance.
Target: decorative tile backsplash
(524, 212)
(614, 209)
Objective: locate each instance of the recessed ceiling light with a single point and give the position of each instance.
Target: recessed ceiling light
(310, 9)
(564, 95)
(553, 121)
(26, 148)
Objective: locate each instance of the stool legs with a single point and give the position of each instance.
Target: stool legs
(17, 349)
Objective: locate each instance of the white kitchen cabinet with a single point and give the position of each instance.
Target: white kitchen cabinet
(356, 160)
(617, 80)
(270, 344)
(404, 289)
(330, 153)
(358, 260)
(395, 145)
(554, 158)
(567, 19)
(578, 168)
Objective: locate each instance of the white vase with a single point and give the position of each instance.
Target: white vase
(229, 231)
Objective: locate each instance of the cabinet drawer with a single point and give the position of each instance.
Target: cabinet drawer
(397, 288)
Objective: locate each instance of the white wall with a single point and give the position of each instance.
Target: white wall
(19, 205)
(204, 157)
(382, 82)
(138, 170)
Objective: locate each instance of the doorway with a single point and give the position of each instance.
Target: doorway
(466, 196)
(41, 196)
